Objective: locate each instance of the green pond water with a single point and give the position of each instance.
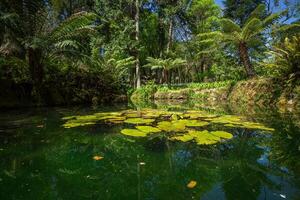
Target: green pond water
(159, 152)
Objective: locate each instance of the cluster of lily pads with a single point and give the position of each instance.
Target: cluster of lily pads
(181, 126)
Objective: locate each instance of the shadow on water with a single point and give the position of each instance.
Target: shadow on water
(40, 159)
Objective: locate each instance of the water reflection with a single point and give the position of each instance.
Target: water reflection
(51, 162)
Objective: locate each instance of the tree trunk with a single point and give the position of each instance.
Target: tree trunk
(35, 64)
(161, 31)
(137, 32)
(165, 76)
(170, 36)
(244, 56)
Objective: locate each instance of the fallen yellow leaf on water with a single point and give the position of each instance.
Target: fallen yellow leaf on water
(192, 184)
(97, 157)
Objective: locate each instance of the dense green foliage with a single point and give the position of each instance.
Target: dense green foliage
(59, 52)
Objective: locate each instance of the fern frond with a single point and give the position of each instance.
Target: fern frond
(230, 26)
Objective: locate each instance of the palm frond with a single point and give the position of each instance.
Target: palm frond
(230, 26)
(253, 26)
(80, 23)
(258, 12)
(271, 19)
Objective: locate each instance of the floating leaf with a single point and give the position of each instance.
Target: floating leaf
(203, 137)
(183, 138)
(148, 129)
(116, 119)
(134, 132)
(250, 125)
(72, 124)
(175, 126)
(139, 121)
(132, 115)
(97, 157)
(222, 134)
(87, 118)
(151, 115)
(193, 123)
(253, 125)
(108, 114)
(69, 117)
(226, 119)
(192, 184)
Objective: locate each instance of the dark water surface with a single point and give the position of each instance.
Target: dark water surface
(40, 159)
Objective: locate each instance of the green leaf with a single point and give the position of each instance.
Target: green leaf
(139, 121)
(148, 129)
(134, 133)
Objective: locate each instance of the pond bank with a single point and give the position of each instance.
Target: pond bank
(261, 92)
(17, 95)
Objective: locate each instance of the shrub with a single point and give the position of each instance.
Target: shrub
(146, 92)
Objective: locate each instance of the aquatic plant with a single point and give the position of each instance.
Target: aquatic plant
(134, 132)
(203, 137)
(148, 129)
(174, 125)
(139, 121)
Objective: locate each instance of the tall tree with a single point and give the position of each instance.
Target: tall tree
(137, 38)
(244, 36)
(240, 10)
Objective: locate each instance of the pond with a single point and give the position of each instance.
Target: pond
(158, 152)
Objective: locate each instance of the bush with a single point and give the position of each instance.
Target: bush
(146, 92)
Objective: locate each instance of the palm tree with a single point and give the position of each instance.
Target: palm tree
(28, 29)
(248, 34)
(165, 64)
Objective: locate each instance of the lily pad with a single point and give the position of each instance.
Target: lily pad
(183, 138)
(250, 125)
(134, 132)
(139, 121)
(148, 129)
(69, 117)
(253, 125)
(132, 115)
(193, 123)
(222, 134)
(87, 118)
(116, 119)
(174, 126)
(225, 119)
(192, 184)
(203, 137)
(72, 124)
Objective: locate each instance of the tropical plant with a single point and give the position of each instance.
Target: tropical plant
(247, 35)
(164, 64)
(284, 58)
(30, 30)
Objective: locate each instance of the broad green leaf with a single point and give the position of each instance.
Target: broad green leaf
(148, 129)
(134, 133)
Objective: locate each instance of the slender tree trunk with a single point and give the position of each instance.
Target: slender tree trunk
(165, 76)
(137, 29)
(161, 31)
(170, 36)
(37, 72)
(35, 64)
(244, 56)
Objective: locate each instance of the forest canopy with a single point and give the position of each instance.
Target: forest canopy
(86, 48)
